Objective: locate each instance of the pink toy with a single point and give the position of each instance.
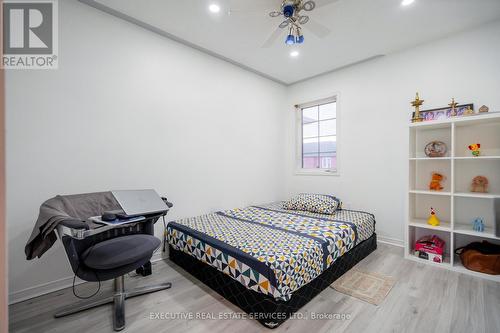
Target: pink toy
(430, 248)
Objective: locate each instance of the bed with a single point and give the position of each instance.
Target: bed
(267, 260)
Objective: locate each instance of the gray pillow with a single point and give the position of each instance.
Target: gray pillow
(315, 203)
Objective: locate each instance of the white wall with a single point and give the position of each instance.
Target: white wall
(375, 110)
(130, 109)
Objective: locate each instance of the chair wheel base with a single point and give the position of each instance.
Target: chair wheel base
(118, 301)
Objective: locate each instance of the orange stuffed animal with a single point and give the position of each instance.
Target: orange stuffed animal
(435, 184)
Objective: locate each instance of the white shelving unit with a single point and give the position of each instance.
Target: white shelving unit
(456, 206)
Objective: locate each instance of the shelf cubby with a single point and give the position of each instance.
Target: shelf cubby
(420, 137)
(421, 174)
(487, 133)
(467, 169)
(467, 209)
(461, 240)
(415, 233)
(421, 206)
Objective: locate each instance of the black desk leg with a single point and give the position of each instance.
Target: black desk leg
(145, 270)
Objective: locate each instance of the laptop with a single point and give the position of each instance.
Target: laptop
(139, 202)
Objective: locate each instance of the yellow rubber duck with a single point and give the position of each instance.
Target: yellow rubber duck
(433, 220)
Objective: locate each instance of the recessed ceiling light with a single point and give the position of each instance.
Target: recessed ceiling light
(294, 54)
(214, 8)
(407, 2)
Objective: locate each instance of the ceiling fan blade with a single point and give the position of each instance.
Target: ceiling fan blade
(284, 24)
(322, 3)
(317, 28)
(309, 5)
(274, 36)
(303, 19)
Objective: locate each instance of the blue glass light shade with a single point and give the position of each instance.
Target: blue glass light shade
(288, 10)
(300, 39)
(290, 39)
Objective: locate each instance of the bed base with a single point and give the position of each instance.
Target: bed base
(270, 312)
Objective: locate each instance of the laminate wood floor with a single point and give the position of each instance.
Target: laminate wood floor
(424, 299)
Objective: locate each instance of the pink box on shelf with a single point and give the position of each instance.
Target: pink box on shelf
(430, 248)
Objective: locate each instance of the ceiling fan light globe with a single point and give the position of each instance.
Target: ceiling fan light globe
(299, 39)
(407, 2)
(214, 8)
(288, 10)
(290, 40)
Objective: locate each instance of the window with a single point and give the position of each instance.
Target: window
(318, 137)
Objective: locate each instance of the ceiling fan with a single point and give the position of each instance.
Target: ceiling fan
(295, 19)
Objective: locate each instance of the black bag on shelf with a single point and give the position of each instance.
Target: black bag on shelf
(483, 257)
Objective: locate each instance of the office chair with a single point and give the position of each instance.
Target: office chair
(110, 252)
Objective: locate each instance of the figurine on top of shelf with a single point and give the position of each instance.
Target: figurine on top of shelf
(435, 184)
(433, 220)
(453, 106)
(479, 184)
(478, 224)
(416, 115)
(475, 149)
(484, 109)
(468, 111)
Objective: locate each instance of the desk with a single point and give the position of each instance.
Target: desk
(90, 228)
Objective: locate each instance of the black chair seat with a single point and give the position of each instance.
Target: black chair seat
(120, 251)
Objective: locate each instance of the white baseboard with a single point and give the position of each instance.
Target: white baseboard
(52, 286)
(390, 241)
(159, 256)
(42, 289)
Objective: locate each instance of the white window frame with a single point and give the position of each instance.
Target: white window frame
(299, 170)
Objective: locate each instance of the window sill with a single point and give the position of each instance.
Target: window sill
(323, 172)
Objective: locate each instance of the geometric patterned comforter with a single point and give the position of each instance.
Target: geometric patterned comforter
(269, 249)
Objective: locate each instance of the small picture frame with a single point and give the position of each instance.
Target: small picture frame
(445, 113)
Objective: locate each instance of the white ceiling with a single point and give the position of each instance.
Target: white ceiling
(360, 29)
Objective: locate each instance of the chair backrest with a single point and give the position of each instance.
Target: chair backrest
(80, 207)
(76, 247)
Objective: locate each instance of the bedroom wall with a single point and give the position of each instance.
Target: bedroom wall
(130, 109)
(375, 109)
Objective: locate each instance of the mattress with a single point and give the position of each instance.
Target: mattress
(268, 249)
(265, 309)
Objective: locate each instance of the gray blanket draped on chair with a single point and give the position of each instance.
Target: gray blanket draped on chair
(77, 207)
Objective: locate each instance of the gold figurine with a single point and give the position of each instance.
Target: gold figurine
(468, 111)
(453, 106)
(416, 103)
